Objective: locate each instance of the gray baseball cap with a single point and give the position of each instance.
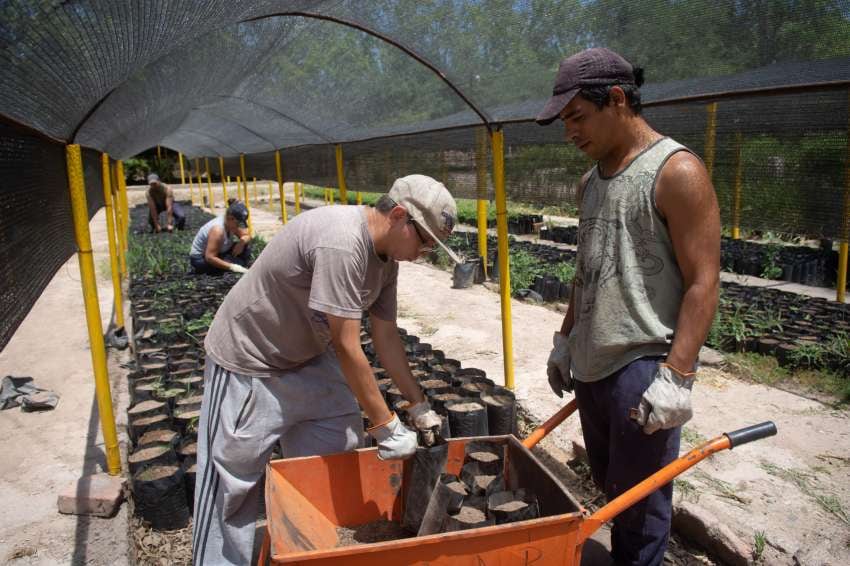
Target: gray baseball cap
(430, 205)
(592, 67)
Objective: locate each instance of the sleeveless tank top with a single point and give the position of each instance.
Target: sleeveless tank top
(628, 287)
(199, 244)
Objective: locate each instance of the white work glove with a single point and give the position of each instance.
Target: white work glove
(667, 401)
(395, 441)
(558, 366)
(236, 268)
(426, 421)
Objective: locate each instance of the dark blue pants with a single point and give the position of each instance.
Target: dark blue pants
(201, 267)
(177, 212)
(621, 455)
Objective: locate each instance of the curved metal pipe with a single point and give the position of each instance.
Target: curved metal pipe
(484, 117)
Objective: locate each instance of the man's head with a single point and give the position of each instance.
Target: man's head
(594, 90)
(422, 213)
(153, 179)
(236, 216)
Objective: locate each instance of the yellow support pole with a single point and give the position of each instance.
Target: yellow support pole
(297, 198)
(331, 195)
(244, 177)
(238, 187)
(279, 171)
(200, 186)
(122, 188)
(481, 192)
(498, 147)
(111, 231)
(736, 197)
(340, 176)
(79, 210)
(841, 284)
(182, 175)
(158, 153)
(710, 137)
(256, 195)
(191, 189)
(223, 184)
(209, 182)
(118, 210)
(359, 198)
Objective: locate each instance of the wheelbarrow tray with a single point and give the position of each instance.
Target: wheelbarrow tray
(308, 498)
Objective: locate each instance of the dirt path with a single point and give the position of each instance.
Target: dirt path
(794, 488)
(43, 452)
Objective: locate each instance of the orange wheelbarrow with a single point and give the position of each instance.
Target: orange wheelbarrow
(308, 498)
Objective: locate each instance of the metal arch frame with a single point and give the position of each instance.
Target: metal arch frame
(433, 68)
(281, 114)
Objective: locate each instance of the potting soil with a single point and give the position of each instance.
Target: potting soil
(376, 531)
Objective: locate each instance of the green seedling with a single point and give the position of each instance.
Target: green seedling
(759, 542)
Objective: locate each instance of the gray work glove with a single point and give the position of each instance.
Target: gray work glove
(395, 441)
(236, 268)
(426, 421)
(558, 366)
(667, 401)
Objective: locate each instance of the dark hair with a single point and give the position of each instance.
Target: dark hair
(599, 95)
(385, 204)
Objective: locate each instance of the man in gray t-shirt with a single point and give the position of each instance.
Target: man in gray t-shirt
(284, 360)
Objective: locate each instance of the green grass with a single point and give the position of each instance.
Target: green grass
(467, 209)
(691, 437)
(766, 370)
(805, 482)
(759, 541)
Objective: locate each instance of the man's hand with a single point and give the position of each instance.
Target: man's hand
(157, 228)
(395, 441)
(558, 366)
(667, 401)
(169, 228)
(236, 268)
(426, 421)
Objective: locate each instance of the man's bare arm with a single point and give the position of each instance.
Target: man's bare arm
(686, 198)
(345, 335)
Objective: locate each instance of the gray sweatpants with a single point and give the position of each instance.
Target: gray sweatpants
(309, 411)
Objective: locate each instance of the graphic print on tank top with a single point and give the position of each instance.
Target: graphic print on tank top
(602, 238)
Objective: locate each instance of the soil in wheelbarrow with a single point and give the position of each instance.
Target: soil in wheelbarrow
(376, 531)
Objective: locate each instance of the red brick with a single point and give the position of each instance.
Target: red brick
(97, 494)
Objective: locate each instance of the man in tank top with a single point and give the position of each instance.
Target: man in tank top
(284, 360)
(160, 199)
(222, 243)
(645, 291)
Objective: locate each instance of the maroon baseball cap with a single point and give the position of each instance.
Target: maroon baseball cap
(588, 68)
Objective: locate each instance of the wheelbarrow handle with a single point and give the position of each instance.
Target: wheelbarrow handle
(750, 433)
(540, 432)
(666, 474)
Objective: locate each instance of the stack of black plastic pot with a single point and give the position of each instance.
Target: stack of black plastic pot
(523, 223)
(469, 403)
(560, 234)
(437, 502)
(166, 392)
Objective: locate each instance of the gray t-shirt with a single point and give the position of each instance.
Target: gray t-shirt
(199, 244)
(322, 262)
